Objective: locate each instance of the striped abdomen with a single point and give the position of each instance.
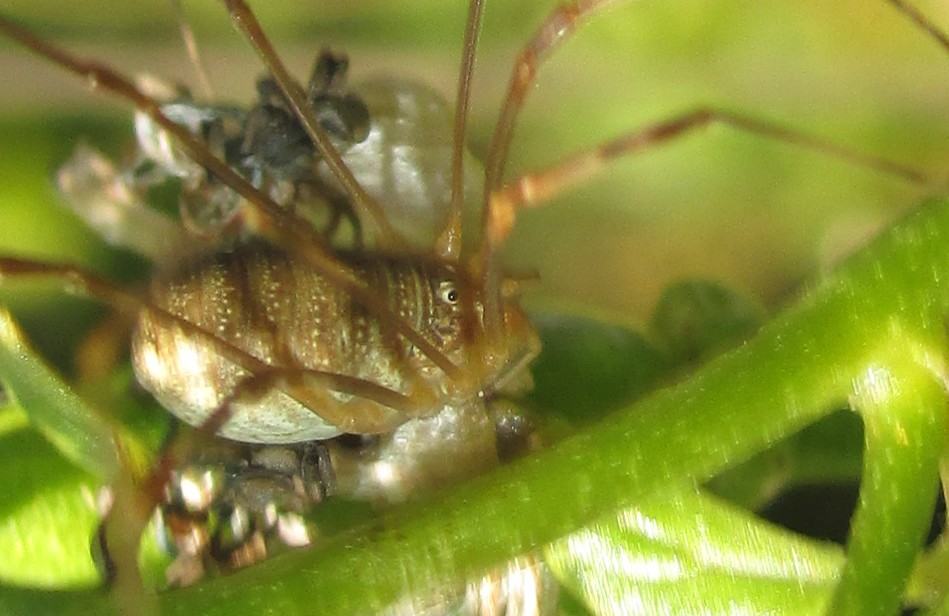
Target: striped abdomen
(284, 314)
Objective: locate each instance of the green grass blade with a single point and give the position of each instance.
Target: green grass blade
(76, 430)
(687, 553)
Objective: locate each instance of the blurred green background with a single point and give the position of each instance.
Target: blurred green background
(754, 213)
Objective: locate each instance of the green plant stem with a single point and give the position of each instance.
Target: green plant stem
(892, 297)
(798, 368)
(66, 420)
(904, 413)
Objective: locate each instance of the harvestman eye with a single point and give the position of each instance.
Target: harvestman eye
(448, 292)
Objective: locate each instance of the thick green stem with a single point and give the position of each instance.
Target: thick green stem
(904, 410)
(799, 367)
(81, 434)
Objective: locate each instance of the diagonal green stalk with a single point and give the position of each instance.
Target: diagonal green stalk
(893, 295)
(798, 368)
(904, 411)
(77, 430)
(684, 551)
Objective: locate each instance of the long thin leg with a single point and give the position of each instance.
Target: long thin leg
(562, 22)
(449, 239)
(922, 21)
(362, 414)
(305, 386)
(370, 213)
(275, 223)
(120, 531)
(559, 25)
(135, 501)
(532, 189)
(100, 76)
(194, 55)
(373, 408)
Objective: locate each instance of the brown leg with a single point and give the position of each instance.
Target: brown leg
(303, 385)
(532, 189)
(502, 201)
(373, 408)
(448, 244)
(274, 222)
(106, 78)
(187, 36)
(80, 282)
(363, 414)
(562, 22)
(367, 208)
(922, 21)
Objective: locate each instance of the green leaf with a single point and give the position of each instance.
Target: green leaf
(77, 431)
(47, 511)
(801, 366)
(687, 553)
(903, 408)
(929, 583)
(827, 452)
(587, 367)
(697, 318)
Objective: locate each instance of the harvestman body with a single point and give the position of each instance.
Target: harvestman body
(304, 342)
(284, 338)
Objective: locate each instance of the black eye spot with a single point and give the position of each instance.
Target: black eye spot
(448, 292)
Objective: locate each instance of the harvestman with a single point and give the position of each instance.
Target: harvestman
(429, 372)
